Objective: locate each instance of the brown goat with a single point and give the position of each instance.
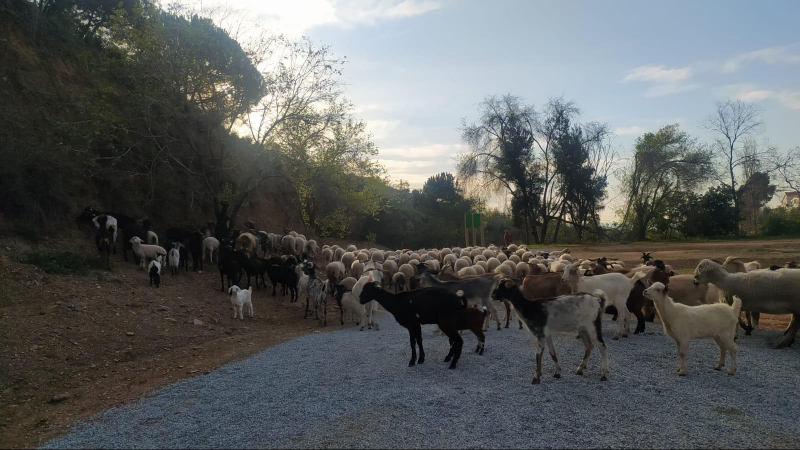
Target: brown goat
(546, 285)
(472, 319)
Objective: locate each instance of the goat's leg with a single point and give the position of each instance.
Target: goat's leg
(597, 338)
(721, 362)
(508, 311)
(622, 325)
(305, 315)
(450, 352)
(639, 322)
(481, 340)
(552, 350)
(418, 333)
(731, 346)
(413, 347)
(584, 336)
(250, 308)
(539, 346)
(683, 349)
(788, 336)
(458, 342)
(756, 318)
(493, 311)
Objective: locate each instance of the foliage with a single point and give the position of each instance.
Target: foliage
(663, 163)
(781, 221)
(59, 262)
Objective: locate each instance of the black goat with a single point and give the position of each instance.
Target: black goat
(195, 246)
(255, 267)
(283, 273)
(230, 264)
(646, 258)
(423, 306)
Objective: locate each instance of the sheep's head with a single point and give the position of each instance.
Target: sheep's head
(233, 289)
(135, 240)
(656, 291)
(570, 272)
(701, 271)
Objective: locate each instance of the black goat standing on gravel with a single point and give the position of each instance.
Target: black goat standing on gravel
(422, 306)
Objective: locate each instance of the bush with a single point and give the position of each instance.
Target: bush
(781, 221)
(59, 262)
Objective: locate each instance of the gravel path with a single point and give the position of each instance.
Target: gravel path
(353, 389)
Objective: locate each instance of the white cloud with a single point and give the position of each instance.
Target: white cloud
(634, 130)
(444, 152)
(750, 93)
(295, 17)
(665, 81)
(790, 99)
(658, 74)
(381, 129)
(789, 54)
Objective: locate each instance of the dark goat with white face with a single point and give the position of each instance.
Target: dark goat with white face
(567, 313)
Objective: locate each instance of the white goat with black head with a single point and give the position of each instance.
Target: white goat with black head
(315, 290)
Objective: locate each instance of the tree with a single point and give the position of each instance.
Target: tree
(734, 122)
(501, 156)
(442, 203)
(754, 194)
(582, 167)
(663, 163)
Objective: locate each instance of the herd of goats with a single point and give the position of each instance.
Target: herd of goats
(456, 288)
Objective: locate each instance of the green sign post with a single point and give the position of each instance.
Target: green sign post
(473, 221)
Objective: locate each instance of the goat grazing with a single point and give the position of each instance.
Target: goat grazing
(411, 309)
(684, 323)
(241, 298)
(570, 313)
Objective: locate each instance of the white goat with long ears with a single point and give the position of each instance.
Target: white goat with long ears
(764, 291)
(685, 323)
(239, 299)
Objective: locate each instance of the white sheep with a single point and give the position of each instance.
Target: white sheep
(763, 291)
(685, 323)
(210, 246)
(239, 299)
(146, 252)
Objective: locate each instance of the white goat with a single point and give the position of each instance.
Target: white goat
(684, 323)
(615, 285)
(174, 260)
(239, 299)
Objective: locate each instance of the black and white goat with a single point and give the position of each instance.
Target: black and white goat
(475, 290)
(411, 309)
(569, 313)
(315, 290)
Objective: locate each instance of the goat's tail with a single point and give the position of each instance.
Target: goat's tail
(737, 305)
(250, 288)
(604, 301)
(460, 295)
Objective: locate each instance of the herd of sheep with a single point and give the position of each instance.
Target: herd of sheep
(458, 288)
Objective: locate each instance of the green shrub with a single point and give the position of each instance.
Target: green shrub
(59, 262)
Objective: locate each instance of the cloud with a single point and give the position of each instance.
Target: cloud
(295, 17)
(444, 152)
(381, 129)
(748, 92)
(665, 81)
(790, 99)
(634, 130)
(658, 74)
(789, 54)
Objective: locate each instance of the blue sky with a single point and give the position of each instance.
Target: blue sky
(417, 67)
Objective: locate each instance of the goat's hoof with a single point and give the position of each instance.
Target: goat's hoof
(681, 374)
(556, 375)
(480, 353)
(748, 333)
(615, 338)
(420, 360)
(447, 358)
(452, 366)
(506, 325)
(717, 367)
(535, 381)
(411, 364)
(603, 378)
(731, 373)
(579, 371)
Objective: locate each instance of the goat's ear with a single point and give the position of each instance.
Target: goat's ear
(666, 288)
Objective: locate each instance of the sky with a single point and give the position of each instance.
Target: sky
(416, 68)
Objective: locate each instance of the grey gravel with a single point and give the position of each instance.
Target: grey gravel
(352, 389)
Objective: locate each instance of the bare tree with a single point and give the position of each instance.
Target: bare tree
(734, 121)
